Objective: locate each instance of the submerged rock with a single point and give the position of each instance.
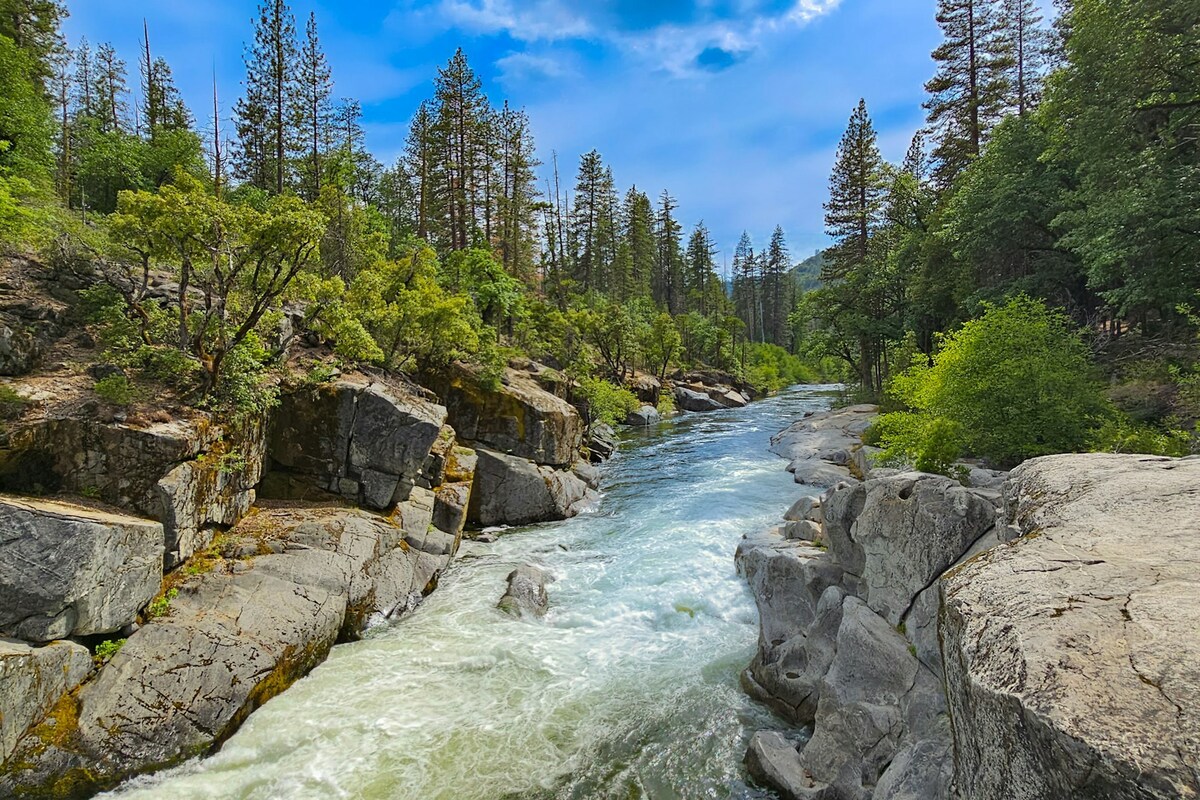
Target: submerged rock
(526, 593)
(1071, 655)
(67, 570)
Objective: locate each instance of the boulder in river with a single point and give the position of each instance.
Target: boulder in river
(691, 400)
(67, 570)
(526, 593)
(509, 490)
(643, 417)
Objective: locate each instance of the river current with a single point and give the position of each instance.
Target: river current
(627, 689)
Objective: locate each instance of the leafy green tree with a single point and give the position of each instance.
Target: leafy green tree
(1124, 112)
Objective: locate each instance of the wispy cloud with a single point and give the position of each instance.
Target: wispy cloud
(670, 41)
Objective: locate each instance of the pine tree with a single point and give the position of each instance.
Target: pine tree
(668, 286)
(264, 116)
(110, 89)
(854, 213)
(777, 295)
(162, 107)
(701, 254)
(1023, 44)
(33, 25)
(517, 207)
(966, 95)
(856, 196)
(85, 90)
(637, 251)
(462, 129)
(593, 234)
(744, 289)
(313, 112)
(420, 164)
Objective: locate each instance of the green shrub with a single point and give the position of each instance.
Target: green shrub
(115, 389)
(1013, 384)
(161, 605)
(1123, 435)
(770, 368)
(666, 404)
(606, 403)
(106, 650)
(927, 443)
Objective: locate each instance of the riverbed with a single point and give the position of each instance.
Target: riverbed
(627, 689)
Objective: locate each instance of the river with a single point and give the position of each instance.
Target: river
(627, 689)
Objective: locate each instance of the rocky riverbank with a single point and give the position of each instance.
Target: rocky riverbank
(163, 573)
(938, 640)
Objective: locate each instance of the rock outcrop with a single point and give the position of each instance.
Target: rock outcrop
(526, 594)
(848, 641)
(820, 447)
(360, 438)
(1072, 658)
(938, 648)
(66, 570)
(287, 585)
(520, 418)
(32, 679)
(687, 399)
(192, 475)
(513, 491)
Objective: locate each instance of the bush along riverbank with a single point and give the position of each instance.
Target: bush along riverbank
(1028, 635)
(165, 572)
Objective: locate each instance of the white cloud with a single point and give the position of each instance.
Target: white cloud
(526, 66)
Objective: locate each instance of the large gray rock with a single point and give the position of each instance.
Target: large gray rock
(691, 400)
(1071, 656)
(360, 438)
(773, 760)
(519, 418)
(643, 417)
(192, 474)
(32, 679)
(824, 433)
(292, 582)
(526, 593)
(66, 570)
(911, 529)
(509, 490)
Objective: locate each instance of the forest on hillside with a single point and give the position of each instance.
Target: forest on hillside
(1051, 204)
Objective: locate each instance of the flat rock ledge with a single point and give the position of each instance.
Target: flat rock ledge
(1030, 636)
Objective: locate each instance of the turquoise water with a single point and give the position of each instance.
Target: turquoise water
(627, 689)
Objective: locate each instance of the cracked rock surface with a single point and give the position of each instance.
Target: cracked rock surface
(1072, 657)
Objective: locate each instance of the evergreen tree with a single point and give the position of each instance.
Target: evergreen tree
(110, 89)
(313, 111)
(777, 289)
(421, 165)
(265, 116)
(637, 252)
(668, 286)
(745, 289)
(701, 253)
(462, 131)
(1023, 46)
(517, 207)
(593, 234)
(33, 26)
(966, 95)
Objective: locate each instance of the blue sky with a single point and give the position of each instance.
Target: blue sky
(735, 106)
